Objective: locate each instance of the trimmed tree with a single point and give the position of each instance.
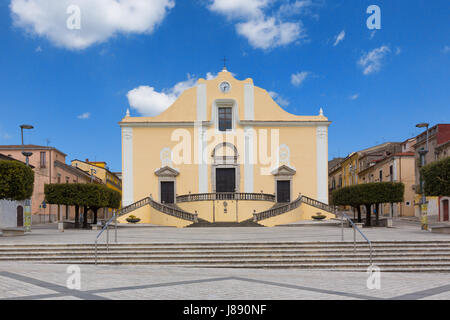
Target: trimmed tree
(16, 180)
(436, 177)
(348, 196)
(369, 194)
(89, 196)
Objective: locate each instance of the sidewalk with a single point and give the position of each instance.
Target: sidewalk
(402, 230)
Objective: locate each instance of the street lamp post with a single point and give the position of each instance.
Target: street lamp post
(27, 224)
(423, 201)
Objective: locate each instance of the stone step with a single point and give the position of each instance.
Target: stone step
(202, 255)
(230, 250)
(345, 265)
(236, 260)
(229, 246)
(226, 250)
(238, 244)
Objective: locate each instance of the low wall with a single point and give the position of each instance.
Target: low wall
(8, 213)
(303, 212)
(233, 211)
(149, 215)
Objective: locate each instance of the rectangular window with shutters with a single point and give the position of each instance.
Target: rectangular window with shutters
(43, 159)
(225, 119)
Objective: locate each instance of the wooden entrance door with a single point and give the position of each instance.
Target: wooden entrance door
(19, 216)
(445, 207)
(225, 180)
(167, 192)
(283, 191)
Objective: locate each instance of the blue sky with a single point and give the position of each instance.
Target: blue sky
(373, 86)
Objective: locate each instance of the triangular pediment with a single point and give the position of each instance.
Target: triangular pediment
(284, 170)
(166, 172)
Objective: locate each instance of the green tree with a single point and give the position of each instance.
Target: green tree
(348, 196)
(89, 196)
(16, 180)
(368, 195)
(436, 177)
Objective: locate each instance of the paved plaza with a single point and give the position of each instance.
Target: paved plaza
(23, 280)
(41, 281)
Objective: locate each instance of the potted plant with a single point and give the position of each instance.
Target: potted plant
(319, 216)
(133, 219)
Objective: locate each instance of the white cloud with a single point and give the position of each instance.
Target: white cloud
(446, 49)
(339, 38)
(239, 8)
(210, 76)
(298, 78)
(354, 97)
(149, 102)
(279, 99)
(398, 50)
(100, 19)
(5, 136)
(262, 29)
(297, 7)
(372, 61)
(268, 33)
(84, 116)
(38, 49)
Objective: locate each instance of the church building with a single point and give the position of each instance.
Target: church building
(224, 152)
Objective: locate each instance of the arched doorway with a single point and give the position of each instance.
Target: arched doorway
(19, 216)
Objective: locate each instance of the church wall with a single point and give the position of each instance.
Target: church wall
(148, 143)
(147, 146)
(304, 136)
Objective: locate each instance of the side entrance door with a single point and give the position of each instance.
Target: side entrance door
(19, 216)
(283, 191)
(167, 192)
(445, 207)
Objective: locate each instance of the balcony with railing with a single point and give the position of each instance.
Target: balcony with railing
(226, 196)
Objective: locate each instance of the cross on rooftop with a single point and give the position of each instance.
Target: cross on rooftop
(225, 62)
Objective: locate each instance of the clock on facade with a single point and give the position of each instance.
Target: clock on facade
(225, 87)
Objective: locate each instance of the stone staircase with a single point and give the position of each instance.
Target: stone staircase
(390, 256)
(203, 223)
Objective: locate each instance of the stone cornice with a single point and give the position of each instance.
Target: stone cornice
(259, 123)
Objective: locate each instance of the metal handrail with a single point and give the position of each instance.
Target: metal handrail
(106, 226)
(354, 235)
(225, 196)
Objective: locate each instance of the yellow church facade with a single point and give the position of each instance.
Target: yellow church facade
(224, 152)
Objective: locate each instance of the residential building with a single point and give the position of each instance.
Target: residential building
(438, 148)
(334, 175)
(100, 170)
(397, 167)
(49, 167)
